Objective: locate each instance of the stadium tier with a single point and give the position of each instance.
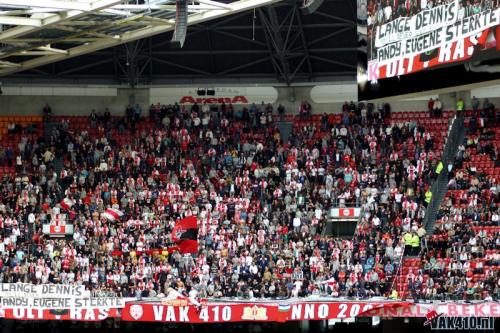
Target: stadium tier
(208, 215)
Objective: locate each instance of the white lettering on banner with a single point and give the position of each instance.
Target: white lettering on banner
(170, 314)
(204, 314)
(342, 312)
(309, 311)
(430, 30)
(183, 313)
(323, 311)
(296, 311)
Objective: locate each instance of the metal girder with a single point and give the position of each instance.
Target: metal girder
(307, 56)
(330, 35)
(334, 62)
(233, 69)
(125, 37)
(66, 5)
(15, 20)
(53, 19)
(276, 42)
(336, 18)
(79, 68)
(191, 69)
(225, 33)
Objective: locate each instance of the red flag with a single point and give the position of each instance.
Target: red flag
(498, 36)
(185, 234)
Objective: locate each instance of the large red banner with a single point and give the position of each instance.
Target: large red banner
(216, 313)
(456, 51)
(264, 312)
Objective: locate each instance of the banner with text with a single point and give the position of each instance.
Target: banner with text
(53, 296)
(219, 312)
(436, 36)
(282, 312)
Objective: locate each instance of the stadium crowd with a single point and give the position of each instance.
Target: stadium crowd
(262, 203)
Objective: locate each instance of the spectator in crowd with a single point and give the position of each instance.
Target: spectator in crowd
(47, 111)
(430, 107)
(438, 108)
(475, 105)
(460, 106)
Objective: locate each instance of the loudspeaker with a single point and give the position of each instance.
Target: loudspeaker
(201, 92)
(210, 92)
(180, 30)
(310, 6)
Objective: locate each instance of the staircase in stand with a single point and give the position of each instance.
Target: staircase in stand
(440, 185)
(285, 128)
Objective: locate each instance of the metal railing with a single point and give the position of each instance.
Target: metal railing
(440, 184)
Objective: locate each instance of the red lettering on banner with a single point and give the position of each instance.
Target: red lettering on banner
(465, 310)
(373, 71)
(420, 311)
(494, 310)
(452, 310)
(406, 312)
(478, 310)
(372, 312)
(391, 312)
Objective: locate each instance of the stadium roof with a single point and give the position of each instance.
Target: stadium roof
(128, 41)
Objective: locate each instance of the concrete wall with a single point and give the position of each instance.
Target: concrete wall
(73, 105)
(290, 97)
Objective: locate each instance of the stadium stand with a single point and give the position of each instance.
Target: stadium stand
(262, 202)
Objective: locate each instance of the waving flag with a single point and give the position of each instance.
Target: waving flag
(185, 234)
(67, 203)
(112, 214)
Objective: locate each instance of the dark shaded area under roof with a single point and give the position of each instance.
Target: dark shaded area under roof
(280, 45)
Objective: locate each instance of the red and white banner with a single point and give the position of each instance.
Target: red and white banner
(216, 313)
(455, 51)
(182, 312)
(57, 229)
(351, 213)
(67, 203)
(112, 214)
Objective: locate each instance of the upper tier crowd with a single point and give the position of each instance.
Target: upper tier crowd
(262, 203)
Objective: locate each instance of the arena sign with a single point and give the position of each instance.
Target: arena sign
(432, 37)
(213, 100)
(228, 95)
